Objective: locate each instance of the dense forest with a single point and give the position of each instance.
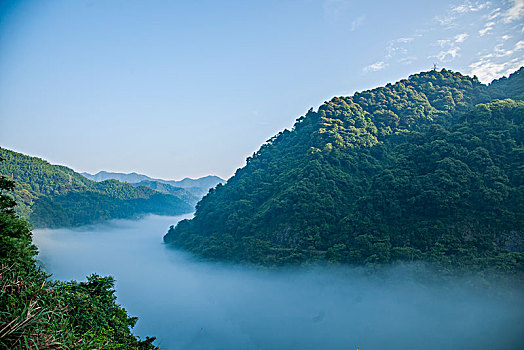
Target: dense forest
(55, 196)
(37, 312)
(429, 168)
(178, 192)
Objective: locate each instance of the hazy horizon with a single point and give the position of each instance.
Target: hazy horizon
(175, 89)
(135, 173)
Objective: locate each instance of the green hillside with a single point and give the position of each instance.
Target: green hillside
(37, 312)
(189, 190)
(54, 196)
(178, 192)
(429, 168)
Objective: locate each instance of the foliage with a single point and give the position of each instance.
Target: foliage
(39, 313)
(53, 195)
(429, 168)
(509, 87)
(189, 190)
(182, 193)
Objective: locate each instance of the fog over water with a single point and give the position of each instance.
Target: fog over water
(188, 304)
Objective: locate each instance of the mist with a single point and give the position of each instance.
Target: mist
(189, 304)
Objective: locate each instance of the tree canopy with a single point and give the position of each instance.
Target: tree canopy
(54, 195)
(37, 312)
(428, 168)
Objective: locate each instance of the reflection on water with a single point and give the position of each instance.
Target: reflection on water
(188, 304)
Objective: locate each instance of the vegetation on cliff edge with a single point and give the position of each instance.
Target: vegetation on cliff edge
(37, 312)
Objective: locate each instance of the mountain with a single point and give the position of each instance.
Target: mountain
(509, 87)
(54, 195)
(178, 192)
(105, 175)
(47, 313)
(198, 187)
(429, 168)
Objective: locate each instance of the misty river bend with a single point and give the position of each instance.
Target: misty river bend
(188, 304)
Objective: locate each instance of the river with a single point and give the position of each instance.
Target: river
(189, 304)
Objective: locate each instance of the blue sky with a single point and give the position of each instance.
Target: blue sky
(189, 88)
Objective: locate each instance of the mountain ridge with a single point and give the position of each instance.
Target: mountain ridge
(185, 194)
(56, 196)
(376, 177)
(197, 187)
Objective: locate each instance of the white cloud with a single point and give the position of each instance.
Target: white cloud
(500, 51)
(443, 42)
(449, 19)
(357, 22)
(493, 14)
(487, 28)
(461, 37)
(469, 7)
(375, 66)
(397, 46)
(505, 37)
(515, 12)
(449, 48)
(404, 40)
(407, 60)
(487, 70)
(460, 9)
(448, 55)
(446, 21)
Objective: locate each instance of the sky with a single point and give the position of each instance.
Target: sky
(175, 89)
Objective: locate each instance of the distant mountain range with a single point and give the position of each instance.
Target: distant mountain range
(196, 187)
(56, 196)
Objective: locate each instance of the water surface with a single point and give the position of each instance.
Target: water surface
(188, 304)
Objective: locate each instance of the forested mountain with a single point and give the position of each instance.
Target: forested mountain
(37, 312)
(54, 195)
(197, 187)
(178, 192)
(429, 168)
(106, 175)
